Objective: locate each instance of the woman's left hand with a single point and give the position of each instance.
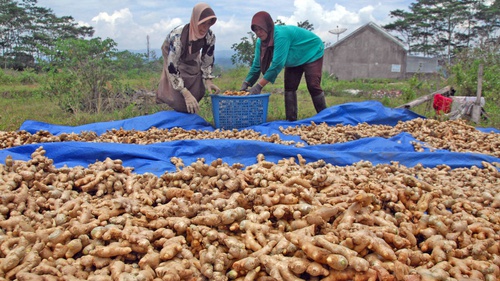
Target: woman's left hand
(256, 89)
(211, 87)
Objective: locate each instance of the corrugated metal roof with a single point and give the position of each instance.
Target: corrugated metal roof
(377, 27)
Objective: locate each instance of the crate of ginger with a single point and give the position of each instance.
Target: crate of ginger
(239, 109)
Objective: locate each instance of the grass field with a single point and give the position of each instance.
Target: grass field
(21, 98)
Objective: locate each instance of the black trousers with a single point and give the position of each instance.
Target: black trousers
(312, 71)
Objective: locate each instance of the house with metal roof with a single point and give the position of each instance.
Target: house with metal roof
(370, 52)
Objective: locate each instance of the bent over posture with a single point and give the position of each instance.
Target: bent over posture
(296, 49)
(188, 57)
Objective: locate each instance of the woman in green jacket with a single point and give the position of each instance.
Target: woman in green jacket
(296, 49)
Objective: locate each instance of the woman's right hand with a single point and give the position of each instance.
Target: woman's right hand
(191, 102)
(244, 86)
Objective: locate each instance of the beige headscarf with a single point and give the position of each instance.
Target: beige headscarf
(201, 13)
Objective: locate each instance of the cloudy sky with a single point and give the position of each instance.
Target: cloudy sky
(129, 22)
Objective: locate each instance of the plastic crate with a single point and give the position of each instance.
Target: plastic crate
(234, 112)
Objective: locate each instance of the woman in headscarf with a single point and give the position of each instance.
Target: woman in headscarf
(188, 57)
(296, 49)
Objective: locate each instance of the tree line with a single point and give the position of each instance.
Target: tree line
(430, 28)
(34, 37)
(443, 28)
(26, 30)
(82, 72)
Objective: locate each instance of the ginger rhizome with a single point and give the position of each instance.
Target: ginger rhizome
(289, 220)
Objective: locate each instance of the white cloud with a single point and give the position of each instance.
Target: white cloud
(366, 14)
(129, 22)
(129, 34)
(324, 19)
(229, 32)
(113, 18)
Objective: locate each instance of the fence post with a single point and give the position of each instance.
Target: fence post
(476, 108)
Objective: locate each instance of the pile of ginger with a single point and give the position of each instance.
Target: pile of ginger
(289, 220)
(452, 135)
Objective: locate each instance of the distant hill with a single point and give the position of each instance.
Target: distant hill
(222, 57)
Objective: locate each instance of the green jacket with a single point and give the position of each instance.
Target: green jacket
(293, 46)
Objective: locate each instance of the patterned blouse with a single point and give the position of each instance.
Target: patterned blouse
(176, 45)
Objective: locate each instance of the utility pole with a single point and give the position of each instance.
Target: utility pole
(147, 39)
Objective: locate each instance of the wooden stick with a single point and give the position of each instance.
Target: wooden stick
(423, 99)
(476, 108)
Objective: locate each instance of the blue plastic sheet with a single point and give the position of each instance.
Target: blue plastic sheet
(155, 158)
(163, 119)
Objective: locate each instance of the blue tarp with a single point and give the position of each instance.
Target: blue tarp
(155, 158)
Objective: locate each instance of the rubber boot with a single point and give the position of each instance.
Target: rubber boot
(319, 102)
(291, 105)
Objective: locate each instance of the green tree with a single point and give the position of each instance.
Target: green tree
(82, 74)
(278, 22)
(424, 39)
(136, 64)
(306, 25)
(463, 73)
(126, 60)
(449, 16)
(403, 25)
(244, 51)
(488, 17)
(445, 27)
(12, 21)
(26, 27)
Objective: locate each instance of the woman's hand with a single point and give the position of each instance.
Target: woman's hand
(211, 86)
(244, 86)
(256, 89)
(191, 102)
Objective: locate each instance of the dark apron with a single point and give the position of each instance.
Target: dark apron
(190, 71)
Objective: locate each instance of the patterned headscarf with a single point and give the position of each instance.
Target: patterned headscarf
(201, 13)
(263, 20)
